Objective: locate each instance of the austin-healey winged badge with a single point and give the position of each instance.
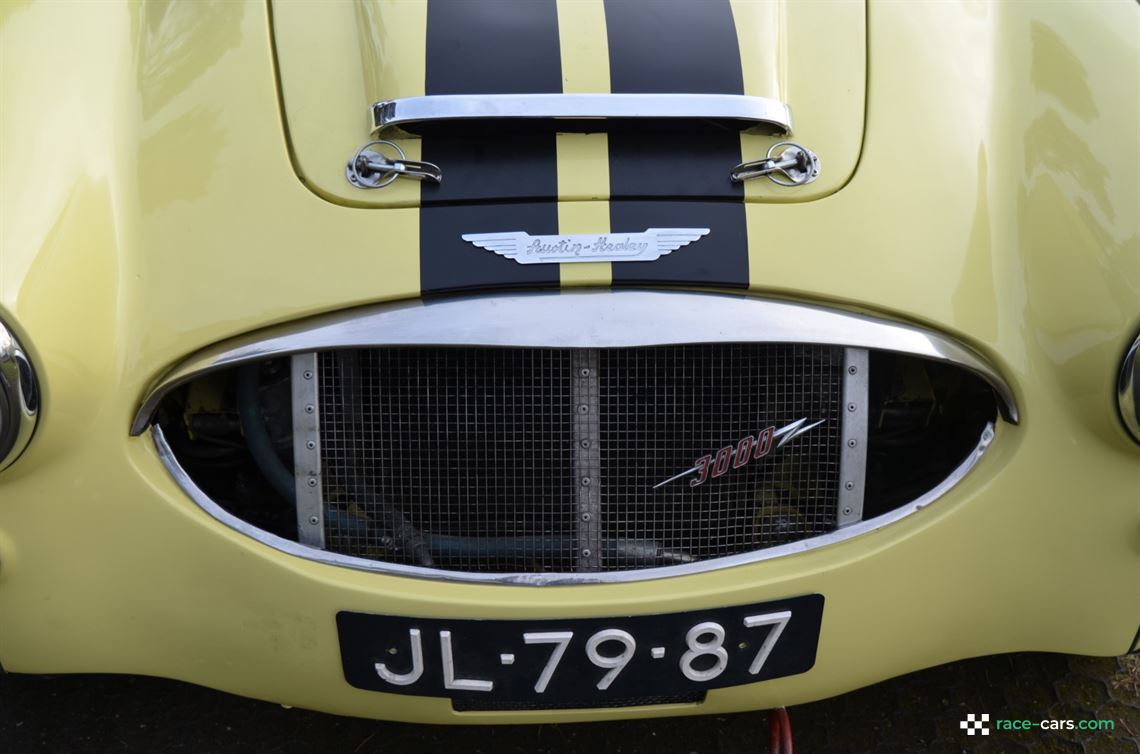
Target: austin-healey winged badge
(601, 247)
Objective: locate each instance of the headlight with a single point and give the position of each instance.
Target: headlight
(1128, 390)
(19, 399)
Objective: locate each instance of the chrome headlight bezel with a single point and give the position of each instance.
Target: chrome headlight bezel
(1128, 390)
(19, 399)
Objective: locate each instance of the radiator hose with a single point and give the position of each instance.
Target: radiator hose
(615, 551)
(406, 536)
(253, 427)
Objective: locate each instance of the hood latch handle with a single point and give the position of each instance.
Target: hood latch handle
(369, 168)
(787, 164)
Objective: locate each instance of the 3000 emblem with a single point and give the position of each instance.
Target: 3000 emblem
(746, 449)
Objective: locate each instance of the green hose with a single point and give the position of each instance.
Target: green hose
(260, 446)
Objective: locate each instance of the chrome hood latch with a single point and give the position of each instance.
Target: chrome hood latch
(369, 168)
(787, 164)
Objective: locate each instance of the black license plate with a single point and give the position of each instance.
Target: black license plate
(580, 662)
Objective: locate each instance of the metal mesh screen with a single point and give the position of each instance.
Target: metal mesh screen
(663, 409)
(472, 459)
(455, 458)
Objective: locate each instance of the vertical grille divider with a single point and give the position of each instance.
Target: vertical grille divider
(307, 450)
(587, 458)
(853, 451)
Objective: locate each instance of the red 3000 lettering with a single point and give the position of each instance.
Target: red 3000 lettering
(739, 454)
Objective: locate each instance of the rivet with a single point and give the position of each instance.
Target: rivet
(392, 650)
(585, 481)
(586, 517)
(310, 444)
(852, 370)
(311, 481)
(850, 406)
(314, 520)
(847, 511)
(308, 374)
(584, 372)
(586, 553)
(742, 645)
(309, 409)
(583, 409)
(851, 443)
(585, 443)
(849, 485)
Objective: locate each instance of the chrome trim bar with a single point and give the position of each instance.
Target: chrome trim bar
(307, 451)
(750, 113)
(19, 399)
(853, 452)
(166, 455)
(1128, 390)
(582, 319)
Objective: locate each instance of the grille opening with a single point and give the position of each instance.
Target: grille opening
(926, 418)
(202, 423)
(471, 458)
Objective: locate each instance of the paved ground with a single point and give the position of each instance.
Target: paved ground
(916, 713)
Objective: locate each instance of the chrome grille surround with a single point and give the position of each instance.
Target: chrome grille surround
(578, 320)
(170, 462)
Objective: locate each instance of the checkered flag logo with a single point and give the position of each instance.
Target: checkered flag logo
(975, 724)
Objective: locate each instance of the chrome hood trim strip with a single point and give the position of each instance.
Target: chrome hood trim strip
(582, 319)
(400, 116)
(561, 579)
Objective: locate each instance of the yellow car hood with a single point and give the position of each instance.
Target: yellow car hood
(335, 59)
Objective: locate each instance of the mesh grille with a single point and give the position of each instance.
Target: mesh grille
(471, 459)
(666, 407)
(468, 447)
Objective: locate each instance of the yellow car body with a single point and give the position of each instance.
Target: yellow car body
(172, 177)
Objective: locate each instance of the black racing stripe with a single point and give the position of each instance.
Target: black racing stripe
(718, 259)
(448, 263)
(669, 176)
(488, 47)
(673, 46)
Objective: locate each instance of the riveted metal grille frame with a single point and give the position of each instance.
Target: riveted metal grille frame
(551, 460)
(853, 458)
(307, 450)
(587, 458)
